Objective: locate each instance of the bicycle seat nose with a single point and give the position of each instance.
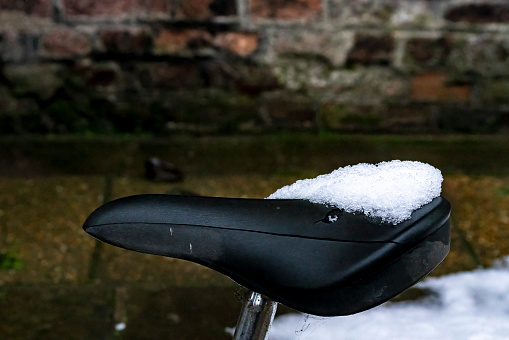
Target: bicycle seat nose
(311, 257)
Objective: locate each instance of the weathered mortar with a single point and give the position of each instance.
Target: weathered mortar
(208, 66)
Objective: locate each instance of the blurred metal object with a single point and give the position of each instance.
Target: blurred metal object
(159, 170)
(256, 318)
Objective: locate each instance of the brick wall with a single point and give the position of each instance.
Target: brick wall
(218, 66)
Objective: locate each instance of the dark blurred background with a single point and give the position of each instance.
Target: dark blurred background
(234, 98)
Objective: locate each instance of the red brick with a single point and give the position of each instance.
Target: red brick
(286, 9)
(175, 41)
(239, 43)
(163, 75)
(40, 8)
(223, 7)
(102, 7)
(479, 13)
(158, 6)
(193, 9)
(371, 49)
(136, 41)
(433, 86)
(63, 42)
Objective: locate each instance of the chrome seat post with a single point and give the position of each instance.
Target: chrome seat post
(255, 318)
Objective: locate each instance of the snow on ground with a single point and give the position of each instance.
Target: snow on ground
(388, 190)
(465, 306)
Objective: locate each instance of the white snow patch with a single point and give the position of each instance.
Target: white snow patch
(120, 326)
(230, 330)
(470, 305)
(387, 190)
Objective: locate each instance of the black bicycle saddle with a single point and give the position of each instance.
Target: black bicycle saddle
(311, 257)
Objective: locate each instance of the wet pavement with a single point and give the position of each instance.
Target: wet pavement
(56, 282)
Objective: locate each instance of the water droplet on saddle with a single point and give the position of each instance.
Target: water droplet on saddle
(333, 216)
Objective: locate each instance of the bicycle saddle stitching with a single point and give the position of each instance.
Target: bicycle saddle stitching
(311, 257)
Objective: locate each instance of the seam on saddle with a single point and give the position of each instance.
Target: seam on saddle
(252, 231)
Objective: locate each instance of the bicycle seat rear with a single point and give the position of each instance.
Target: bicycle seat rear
(313, 258)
